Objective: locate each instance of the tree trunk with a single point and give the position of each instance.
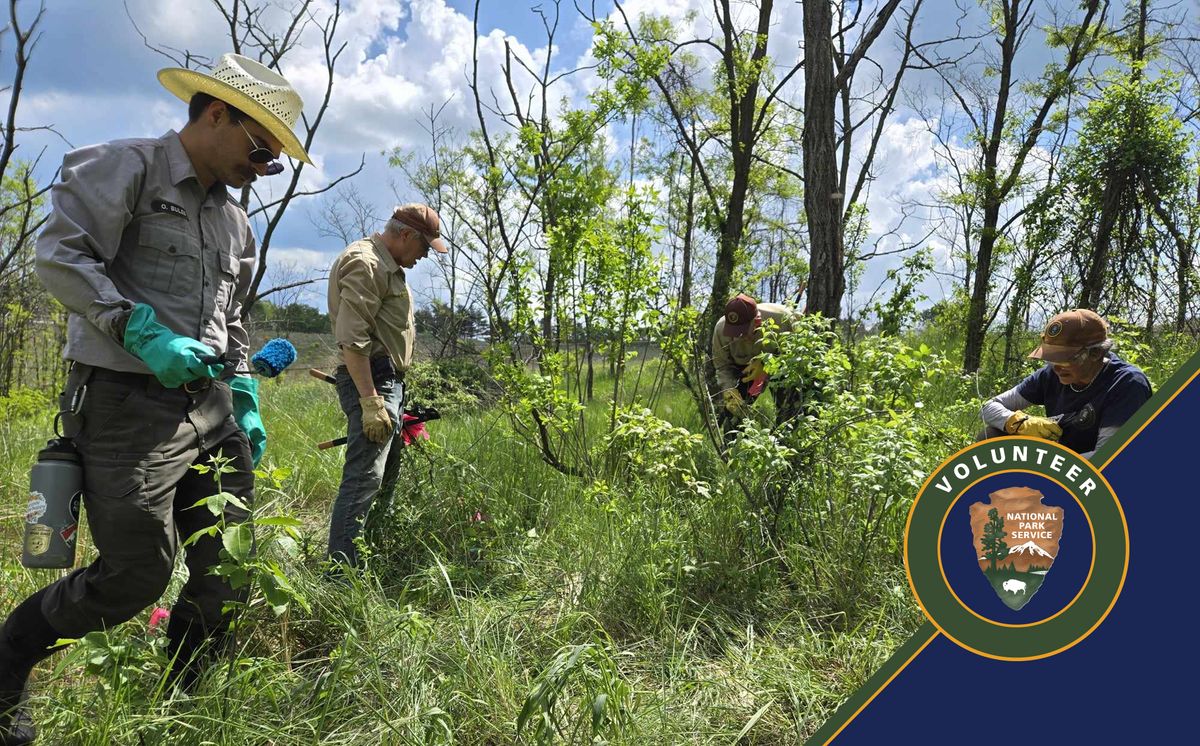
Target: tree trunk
(689, 221)
(743, 103)
(992, 198)
(1183, 275)
(822, 200)
(977, 311)
(1093, 283)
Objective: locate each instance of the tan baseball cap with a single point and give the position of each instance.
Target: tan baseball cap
(424, 220)
(1068, 333)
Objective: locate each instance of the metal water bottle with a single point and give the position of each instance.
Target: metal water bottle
(52, 515)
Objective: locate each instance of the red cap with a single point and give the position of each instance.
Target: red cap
(424, 220)
(739, 315)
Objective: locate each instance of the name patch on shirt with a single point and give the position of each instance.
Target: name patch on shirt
(161, 205)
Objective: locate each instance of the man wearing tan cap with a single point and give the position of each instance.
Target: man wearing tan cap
(153, 259)
(737, 343)
(372, 315)
(1081, 372)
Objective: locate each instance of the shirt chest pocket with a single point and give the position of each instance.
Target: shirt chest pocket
(228, 262)
(169, 259)
(395, 301)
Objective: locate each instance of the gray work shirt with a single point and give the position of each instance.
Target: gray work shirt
(131, 224)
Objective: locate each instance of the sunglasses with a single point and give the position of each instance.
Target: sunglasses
(261, 155)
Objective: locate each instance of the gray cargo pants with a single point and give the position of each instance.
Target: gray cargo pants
(138, 442)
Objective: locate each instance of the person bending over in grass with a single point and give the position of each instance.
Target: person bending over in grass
(1081, 370)
(737, 344)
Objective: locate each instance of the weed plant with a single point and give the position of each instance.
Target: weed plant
(668, 596)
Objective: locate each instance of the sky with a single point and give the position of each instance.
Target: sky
(92, 78)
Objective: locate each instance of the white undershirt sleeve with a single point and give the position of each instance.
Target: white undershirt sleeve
(999, 408)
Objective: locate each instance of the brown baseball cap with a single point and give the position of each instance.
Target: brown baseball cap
(739, 315)
(1068, 333)
(424, 220)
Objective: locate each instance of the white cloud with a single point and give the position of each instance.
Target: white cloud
(402, 59)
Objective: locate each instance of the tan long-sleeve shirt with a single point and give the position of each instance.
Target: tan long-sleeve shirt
(369, 303)
(732, 354)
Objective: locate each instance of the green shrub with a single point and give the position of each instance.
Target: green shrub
(25, 403)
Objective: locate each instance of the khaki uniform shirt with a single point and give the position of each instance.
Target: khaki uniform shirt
(131, 224)
(369, 303)
(730, 355)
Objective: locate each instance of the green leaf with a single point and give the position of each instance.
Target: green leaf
(280, 520)
(238, 540)
(287, 545)
(598, 718)
(210, 531)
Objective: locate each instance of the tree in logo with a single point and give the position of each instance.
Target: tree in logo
(994, 546)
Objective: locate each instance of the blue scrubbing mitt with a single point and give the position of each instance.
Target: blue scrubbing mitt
(275, 355)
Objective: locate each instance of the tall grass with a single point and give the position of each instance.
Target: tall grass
(628, 609)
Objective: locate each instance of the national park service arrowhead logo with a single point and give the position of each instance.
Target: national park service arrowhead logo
(1013, 496)
(1016, 541)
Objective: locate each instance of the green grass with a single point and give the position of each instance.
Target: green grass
(626, 608)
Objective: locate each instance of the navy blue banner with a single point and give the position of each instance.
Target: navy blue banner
(1123, 683)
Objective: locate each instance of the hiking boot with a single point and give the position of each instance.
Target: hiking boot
(192, 648)
(16, 727)
(25, 639)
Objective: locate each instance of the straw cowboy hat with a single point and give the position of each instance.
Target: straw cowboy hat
(263, 94)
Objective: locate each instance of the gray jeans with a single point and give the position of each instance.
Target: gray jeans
(371, 469)
(138, 442)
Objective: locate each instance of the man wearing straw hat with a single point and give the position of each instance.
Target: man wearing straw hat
(153, 259)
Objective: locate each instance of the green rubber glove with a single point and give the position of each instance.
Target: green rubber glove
(173, 358)
(245, 411)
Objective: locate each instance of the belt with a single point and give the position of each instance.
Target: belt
(376, 373)
(146, 380)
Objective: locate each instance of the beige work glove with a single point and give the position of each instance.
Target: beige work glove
(1038, 427)
(753, 371)
(376, 422)
(734, 403)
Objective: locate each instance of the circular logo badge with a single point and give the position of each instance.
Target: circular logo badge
(1054, 329)
(1016, 548)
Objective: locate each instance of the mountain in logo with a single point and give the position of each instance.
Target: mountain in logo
(1016, 541)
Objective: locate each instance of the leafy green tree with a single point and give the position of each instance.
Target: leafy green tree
(450, 327)
(1010, 119)
(1118, 214)
(738, 112)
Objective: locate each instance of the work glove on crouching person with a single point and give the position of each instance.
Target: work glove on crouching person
(1038, 427)
(173, 358)
(753, 371)
(734, 403)
(245, 411)
(376, 422)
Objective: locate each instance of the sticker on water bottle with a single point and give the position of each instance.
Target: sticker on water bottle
(36, 508)
(68, 534)
(75, 505)
(37, 539)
